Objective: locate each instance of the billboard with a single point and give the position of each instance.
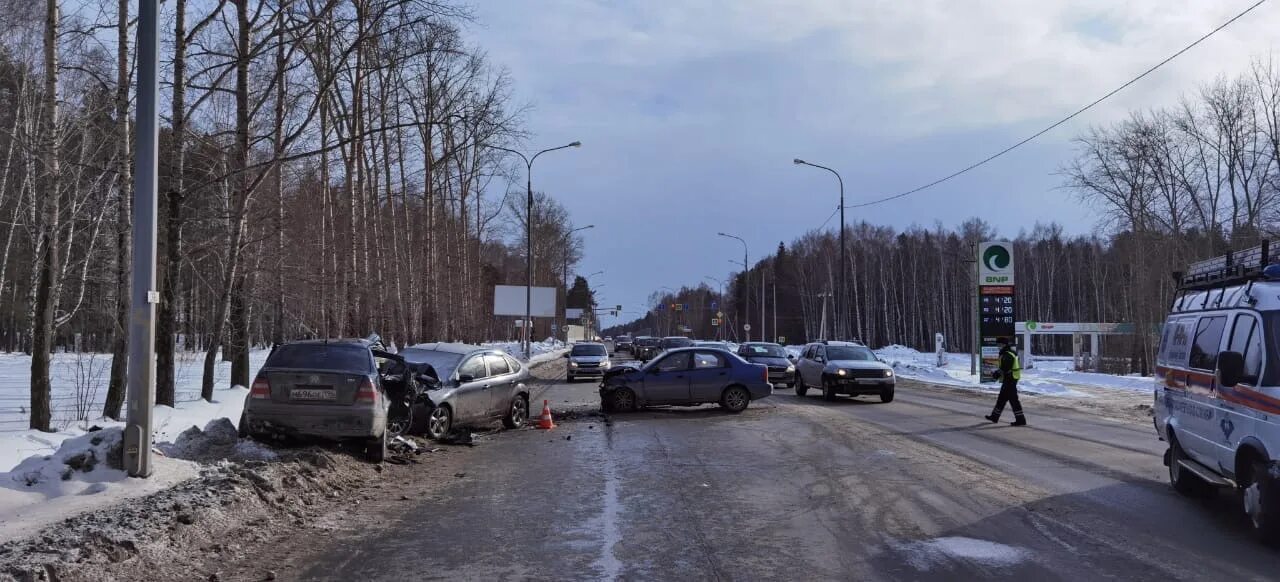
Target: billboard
(996, 306)
(573, 313)
(509, 300)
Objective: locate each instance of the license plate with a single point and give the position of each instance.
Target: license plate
(868, 380)
(313, 394)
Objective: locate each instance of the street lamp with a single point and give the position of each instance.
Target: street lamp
(528, 235)
(564, 274)
(844, 265)
(746, 282)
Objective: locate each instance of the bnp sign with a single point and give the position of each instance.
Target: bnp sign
(996, 306)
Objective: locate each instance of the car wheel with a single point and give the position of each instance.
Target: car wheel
(622, 400)
(569, 379)
(375, 450)
(828, 391)
(735, 399)
(402, 424)
(1261, 501)
(801, 387)
(439, 422)
(886, 395)
(518, 413)
(1183, 481)
(242, 429)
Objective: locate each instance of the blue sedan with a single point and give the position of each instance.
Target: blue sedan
(686, 377)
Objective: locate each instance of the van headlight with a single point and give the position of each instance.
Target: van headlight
(842, 372)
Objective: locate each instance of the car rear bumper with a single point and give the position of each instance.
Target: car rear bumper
(759, 391)
(327, 421)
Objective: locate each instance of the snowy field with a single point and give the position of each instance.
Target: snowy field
(1049, 376)
(543, 351)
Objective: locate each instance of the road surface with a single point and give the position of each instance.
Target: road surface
(794, 488)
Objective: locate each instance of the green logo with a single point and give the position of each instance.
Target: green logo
(996, 258)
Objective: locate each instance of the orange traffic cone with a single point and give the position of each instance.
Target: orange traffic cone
(544, 421)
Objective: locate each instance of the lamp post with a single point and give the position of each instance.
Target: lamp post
(564, 274)
(844, 266)
(746, 278)
(528, 235)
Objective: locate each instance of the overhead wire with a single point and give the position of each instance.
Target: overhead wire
(1055, 124)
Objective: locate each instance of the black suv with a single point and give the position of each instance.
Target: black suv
(622, 343)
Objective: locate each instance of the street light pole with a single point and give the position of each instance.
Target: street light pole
(844, 265)
(564, 274)
(746, 280)
(528, 235)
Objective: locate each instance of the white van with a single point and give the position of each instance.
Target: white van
(1217, 392)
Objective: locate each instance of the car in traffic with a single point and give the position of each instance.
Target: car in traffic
(622, 343)
(587, 360)
(781, 369)
(838, 368)
(646, 348)
(477, 385)
(330, 389)
(672, 342)
(686, 377)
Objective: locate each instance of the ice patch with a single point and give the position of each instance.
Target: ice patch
(925, 555)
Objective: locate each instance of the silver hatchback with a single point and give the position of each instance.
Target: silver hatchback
(476, 385)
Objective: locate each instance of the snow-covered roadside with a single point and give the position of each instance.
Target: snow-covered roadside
(542, 352)
(1049, 376)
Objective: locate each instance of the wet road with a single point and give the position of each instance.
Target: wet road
(800, 488)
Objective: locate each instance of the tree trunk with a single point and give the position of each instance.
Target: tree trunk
(124, 188)
(48, 265)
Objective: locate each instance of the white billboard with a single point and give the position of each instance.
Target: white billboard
(509, 300)
(995, 263)
(573, 313)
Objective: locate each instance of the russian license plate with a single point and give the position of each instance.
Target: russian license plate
(868, 380)
(313, 394)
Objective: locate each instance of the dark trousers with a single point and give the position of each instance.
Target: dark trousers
(1009, 394)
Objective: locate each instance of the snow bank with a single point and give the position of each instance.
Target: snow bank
(543, 351)
(83, 473)
(925, 555)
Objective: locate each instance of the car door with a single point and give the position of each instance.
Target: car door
(812, 364)
(667, 380)
(501, 384)
(708, 376)
(1236, 421)
(472, 401)
(1199, 420)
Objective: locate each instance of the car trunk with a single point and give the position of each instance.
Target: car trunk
(295, 386)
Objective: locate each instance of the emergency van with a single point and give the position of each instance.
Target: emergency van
(1217, 391)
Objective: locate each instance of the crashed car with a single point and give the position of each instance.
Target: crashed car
(330, 389)
(686, 377)
(473, 385)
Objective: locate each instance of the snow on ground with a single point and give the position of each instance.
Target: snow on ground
(925, 555)
(543, 351)
(1049, 376)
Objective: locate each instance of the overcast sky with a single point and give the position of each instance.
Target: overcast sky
(691, 111)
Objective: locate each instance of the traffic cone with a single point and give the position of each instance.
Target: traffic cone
(544, 421)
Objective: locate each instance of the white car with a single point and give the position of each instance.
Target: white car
(587, 360)
(1217, 392)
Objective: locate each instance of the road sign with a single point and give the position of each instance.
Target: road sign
(720, 314)
(677, 306)
(618, 308)
(684, 307)
(662, 307)
(715, 304)
(715, 322)
(746, 327)
(782, 339)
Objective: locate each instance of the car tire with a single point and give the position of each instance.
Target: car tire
(1261, 503)
(801, 387)
(1184, 482)
(517, 413)
(375, 450)
(886, 395)
(242, 429)
(735, 399)
(828, 391)
(401, 426)
(439, 422)
(622, 400)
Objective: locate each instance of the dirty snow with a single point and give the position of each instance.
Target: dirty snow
(924, 555)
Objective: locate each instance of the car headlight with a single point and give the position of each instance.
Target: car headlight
(573, 364)
(606, 364)
(791, 368)
(888, 373)
(842, 372)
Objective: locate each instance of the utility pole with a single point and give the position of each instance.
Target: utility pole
(143, 296)
(775, 307)
(973, 288)
(746, 287)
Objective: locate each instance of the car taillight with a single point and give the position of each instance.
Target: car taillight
(261, 388)
(366, 392)
(764, 373)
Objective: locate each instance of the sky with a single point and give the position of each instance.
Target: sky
(691, 111)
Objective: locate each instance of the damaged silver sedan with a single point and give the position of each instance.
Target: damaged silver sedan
(475, 385)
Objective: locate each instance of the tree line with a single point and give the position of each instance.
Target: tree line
(1173, 186)
(327, 169)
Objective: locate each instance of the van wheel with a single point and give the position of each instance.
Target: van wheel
(1184, 482)
(1260, 498)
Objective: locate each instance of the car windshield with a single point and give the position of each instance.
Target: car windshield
(647, 341)
(677, 342)
(589, 350)
(850, 353)
(765, 351)
(336, 357)
(443, 362)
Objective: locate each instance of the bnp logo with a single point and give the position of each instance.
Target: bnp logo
(997, 263)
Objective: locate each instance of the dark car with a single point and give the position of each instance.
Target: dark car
(672, 342)
(843, 368)
(781, 369)
(646, 348)
(686, 377)
(587, 360)
(476, 385)
(622, 343)
(330, 389)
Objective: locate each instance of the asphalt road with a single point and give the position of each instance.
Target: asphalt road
(794, 488)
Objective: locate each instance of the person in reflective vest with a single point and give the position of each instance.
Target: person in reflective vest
(1009, 372)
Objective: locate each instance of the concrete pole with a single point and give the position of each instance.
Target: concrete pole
(977, 338)
(143, 296)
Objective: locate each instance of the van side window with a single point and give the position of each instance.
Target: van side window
(1204, 349)
(1246, 338)
(1175, 342)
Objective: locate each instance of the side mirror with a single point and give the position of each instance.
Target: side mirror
(791, 357)
(464, 378)
(1230, 368)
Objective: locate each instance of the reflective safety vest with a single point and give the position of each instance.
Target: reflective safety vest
(1016, 371)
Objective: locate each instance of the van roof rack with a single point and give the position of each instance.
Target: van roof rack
(1233, 268)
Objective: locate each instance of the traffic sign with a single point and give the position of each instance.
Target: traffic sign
(715, 322)
(685, 307)
(782, 339)
(720, 314)
(715, 304)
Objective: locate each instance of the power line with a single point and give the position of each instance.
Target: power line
(833, 215)
(1004, 151)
